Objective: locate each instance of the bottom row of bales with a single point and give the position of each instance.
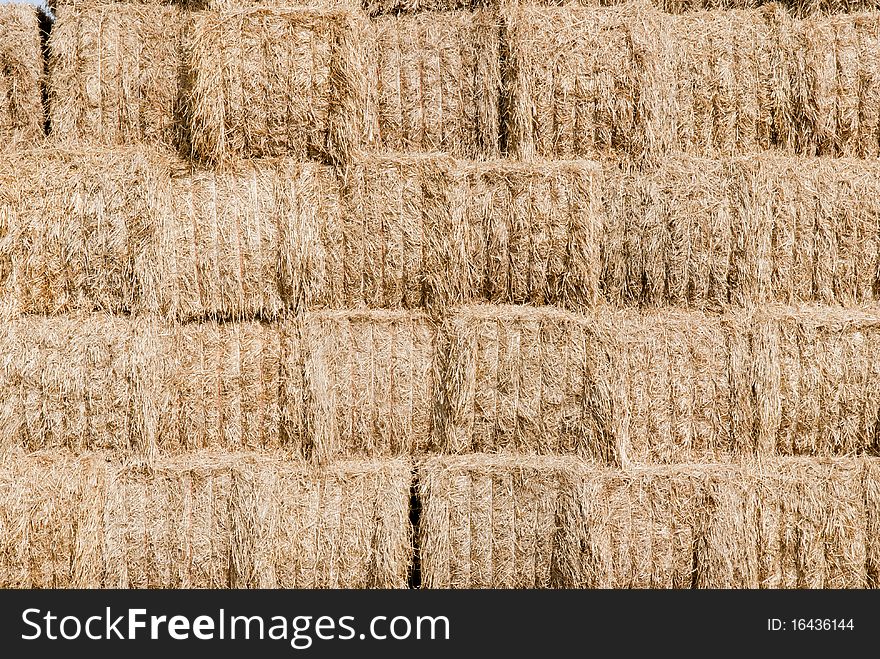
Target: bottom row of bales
(261, 521)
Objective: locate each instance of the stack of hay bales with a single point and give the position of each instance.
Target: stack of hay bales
(520, 294)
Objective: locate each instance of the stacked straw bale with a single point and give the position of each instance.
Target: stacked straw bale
(79, 382)
(21, 75)
(435, 82)
(114, 76)
(523, 379)
(344, 526)
(489, 521)
(430, 231)
(75, 228)
(838, 90)
(51, 511)
(586, 82)
(790, 523)
(661, 387)
(872, 506)
(275, 82)
(369, 381)
(249, 242)
(730, 80)
(203, 521)
(707, 233)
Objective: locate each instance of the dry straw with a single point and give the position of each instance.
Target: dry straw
(435, 83)
(249, 242)
(368, 383)
(203, 521)
(838, 92)
(667, 386)
(76, 228)
(274, 82)
(77, 382)
(586, 82)
(114, 75)
(429, 230)
(524, 379)
(790, 523)
(706, 233)
(488, 521)
(21, 76)
(344, 526)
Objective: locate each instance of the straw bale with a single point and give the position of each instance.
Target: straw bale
(369, 381)
(586, 81)
(343, 526)
(525, 379)
(248, 242)
(671, 234)
(114, 76)
(275, 82)
(489, 521)
(169, 527)
(75, 227)
(436, 83)
(730, 80)
(747, 230)
(637, 529)
(21, 76)
(49, 523)
(540, 231)
(837, 98)
(227, 386)
(790, 523)
(79, 382)
(403, 243)
(816, 380)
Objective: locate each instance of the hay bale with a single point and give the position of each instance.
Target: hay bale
(584, 82)
(21, 76)
(275, 82)
(169, 527)
(403, 245)
(430, 231)
(637, 529)
(49, 521)
(671, 234)
(733, 101)
(74, 229)
(226, 386)
(747, 230)
(526, 379)
(789, 523)
(249, 242)
(837, 98)
(368, 379)
(818, 219)
(816, 381)
(489, 521)
(540, 226)
(435, 83)
(114, 76)
(343, 526)
(79, 382)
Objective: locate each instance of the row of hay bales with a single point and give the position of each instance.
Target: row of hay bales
(629, 81)
(380, 7)
(258, 521)
(621, 388)
(134, 231)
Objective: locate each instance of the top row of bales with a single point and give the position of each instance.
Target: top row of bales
(629, 81)
(380, 7)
